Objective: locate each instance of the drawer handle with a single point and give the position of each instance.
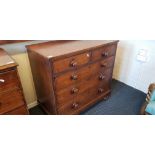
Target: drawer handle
(105, 54)
(100, 90)
(75, 105)
(101, 77)
(2, 80)
(73, 64)
(74, 77)
(104, 64)
(74, 90)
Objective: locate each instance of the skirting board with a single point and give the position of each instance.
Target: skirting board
(33, 104)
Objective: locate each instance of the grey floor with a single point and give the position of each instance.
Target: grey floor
(124, 100)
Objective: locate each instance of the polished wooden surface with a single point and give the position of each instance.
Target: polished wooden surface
(10, 81)
(19, 111)
(11, 93)
(6, 61)
(43, 80)
(11, 41)
(54, 49)
(71, 76)
(10, 101)
(103, 52)
(71, 62)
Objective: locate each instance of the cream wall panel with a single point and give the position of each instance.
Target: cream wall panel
(26, 76)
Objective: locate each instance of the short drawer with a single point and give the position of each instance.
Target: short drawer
(71, 62)
(8, 80)
(19, 111)
(104, 52)
(10, 101)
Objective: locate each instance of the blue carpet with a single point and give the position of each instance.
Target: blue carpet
(124, 100)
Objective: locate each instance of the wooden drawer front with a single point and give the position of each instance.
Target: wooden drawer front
(69, 109)
(85, 73)
(71, 62)
(10, 101)
(71, 78)
(103, 65)
(19, 111)
(101, 85)
(104, 52)
(8, 81)
(103, 76)
(68, 94)
(76, 105)
(95, 81)
(82, 101)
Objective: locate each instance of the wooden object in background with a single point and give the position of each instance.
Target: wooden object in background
(151, 89)
(12, 101)
(71, 76)
(11, 41)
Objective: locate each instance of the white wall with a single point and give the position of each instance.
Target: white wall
(127, 69)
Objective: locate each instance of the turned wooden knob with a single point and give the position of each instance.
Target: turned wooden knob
(75, 105)
(105, 54)
(74, 90)
(74, 77)
(101, 77)
(100, 90)
(103, 64)
(73, 63)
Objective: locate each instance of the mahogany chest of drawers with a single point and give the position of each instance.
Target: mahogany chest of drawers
(71, 76)
(12, 101)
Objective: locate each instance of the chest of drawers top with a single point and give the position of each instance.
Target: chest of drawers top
(6, 61)
(58, 49)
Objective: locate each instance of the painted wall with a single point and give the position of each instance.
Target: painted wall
(127, 68)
